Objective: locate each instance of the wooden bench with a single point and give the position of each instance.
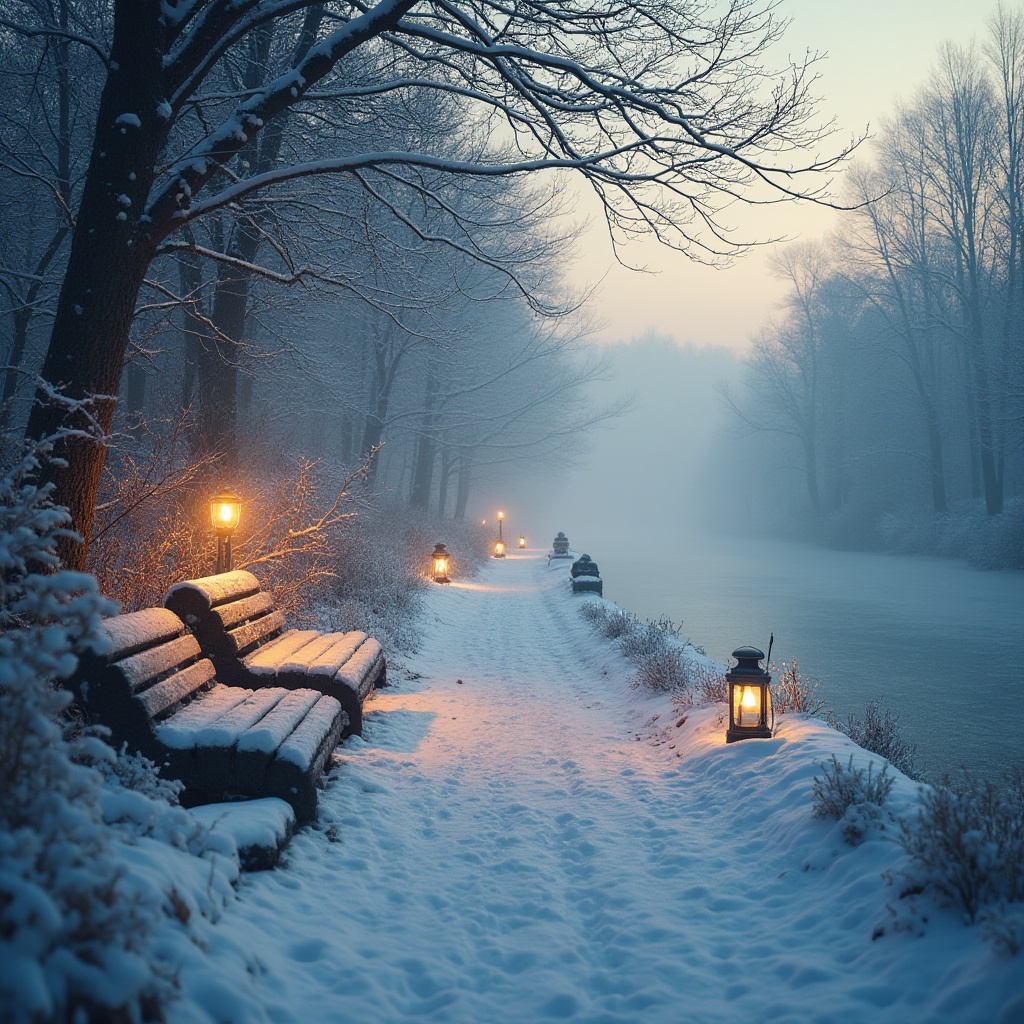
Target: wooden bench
(245, 636)
(156, 692)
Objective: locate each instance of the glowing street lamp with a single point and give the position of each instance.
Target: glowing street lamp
(522, 541)
(439, 568)
(225, 512)
(750, 697)
(499, 544)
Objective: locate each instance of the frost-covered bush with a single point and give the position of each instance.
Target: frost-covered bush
(966, 847)
(796, 693)
(73, 938)
(663, 670)
(609, 621)
(654, 647)
(966, 531)
(879, 732)
(708, 684)
(855, 797)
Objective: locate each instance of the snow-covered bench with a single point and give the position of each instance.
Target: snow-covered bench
(585, 576)
(245, 637)
(156, 692)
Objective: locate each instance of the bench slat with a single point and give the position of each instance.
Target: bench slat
(242, 638)
(359, 666)
(258, 745)
(299, 661)
(136, 631)
(192, 724)
(226, 731)
(200, 595)
(266, 660)
(301, 758)
(336, 656)
(236, 612)
(273, 729)
(164, 695)
(138, 669)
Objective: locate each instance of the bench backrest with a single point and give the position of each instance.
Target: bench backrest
(230, 616)
(153, 668)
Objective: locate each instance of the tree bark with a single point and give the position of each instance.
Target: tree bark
(110, 252)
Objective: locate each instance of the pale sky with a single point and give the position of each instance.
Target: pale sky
(878, 51)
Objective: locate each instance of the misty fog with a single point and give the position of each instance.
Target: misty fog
(678, 507)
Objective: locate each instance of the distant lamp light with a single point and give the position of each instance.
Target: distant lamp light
(225, 512)
(439, 564)
(499, 549)
(522, 541)
(750, 697)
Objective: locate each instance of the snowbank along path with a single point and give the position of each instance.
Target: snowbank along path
(520, 837)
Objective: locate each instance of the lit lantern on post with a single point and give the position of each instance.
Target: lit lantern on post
(499, 549)
(225, 512)
(439, 568)
(750, 697)
(522, 541)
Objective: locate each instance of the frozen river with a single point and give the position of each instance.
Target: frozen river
(941, 643)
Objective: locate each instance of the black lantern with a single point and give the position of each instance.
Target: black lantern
(522, 541)
(439, 564)
(750, 697)
(225, 512)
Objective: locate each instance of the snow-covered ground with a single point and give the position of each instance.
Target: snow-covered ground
(520, 837)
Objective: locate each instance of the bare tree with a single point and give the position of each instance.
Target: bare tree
(664, 108)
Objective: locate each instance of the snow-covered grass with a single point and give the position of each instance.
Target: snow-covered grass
(522, 835)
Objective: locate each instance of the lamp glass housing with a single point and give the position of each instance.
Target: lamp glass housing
(439, 564)
(225, 512)
(750, 697)
(522, 542)
(499, 549)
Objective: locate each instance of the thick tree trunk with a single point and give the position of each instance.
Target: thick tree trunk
(110, 253)
(426, 448)
(462, 491)
(442, 484)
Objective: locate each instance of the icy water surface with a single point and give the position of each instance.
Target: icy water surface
(942, 643)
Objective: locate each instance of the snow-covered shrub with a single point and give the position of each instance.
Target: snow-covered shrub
(663, 669)
(654, 647)
(796, 693)
(140, 775)
(73, 938)
(855, 797)
(966, 846)
(879, 732)
(708, 684)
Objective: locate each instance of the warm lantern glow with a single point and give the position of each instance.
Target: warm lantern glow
(522, 542)
(750, 700)
(439, 568)
(225, 512)
(501, 515)
(749, 711)
(499, 549)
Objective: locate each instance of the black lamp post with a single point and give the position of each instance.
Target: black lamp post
(225, 512)
(439, 567)
(750, 697)
(499, 546)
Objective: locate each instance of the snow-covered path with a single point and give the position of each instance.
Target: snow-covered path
(519, 838)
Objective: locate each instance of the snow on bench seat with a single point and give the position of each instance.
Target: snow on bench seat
(156, 692)
(245, 636)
